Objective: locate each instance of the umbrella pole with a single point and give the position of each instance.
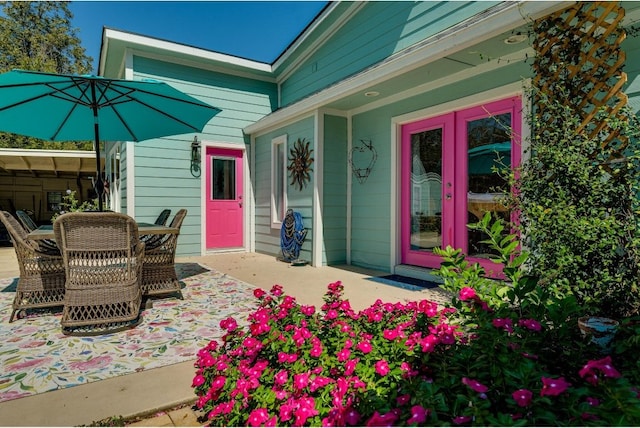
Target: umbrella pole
(96, 128)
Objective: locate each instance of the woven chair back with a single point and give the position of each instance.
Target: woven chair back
(178, 218)
(26, 221)
(163, 217)
(98, 247)
(42, 276)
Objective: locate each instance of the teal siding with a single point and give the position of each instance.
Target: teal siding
(377, 31)
(371, 216)
(334, 205)
(162, 166)
(268, 239)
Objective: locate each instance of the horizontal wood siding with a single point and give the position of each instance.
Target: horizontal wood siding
(376, 32)
(268, 239)
(162, 166)
(334, 209)
(372, 200)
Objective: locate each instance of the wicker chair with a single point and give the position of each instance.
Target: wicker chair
(46, 245)
(152, 240)
(163, 217)
(103, 258)
(159, 273)
(42, 276)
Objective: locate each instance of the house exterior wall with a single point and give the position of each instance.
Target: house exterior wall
(267, 238)
(162, 166)
(336, 172)
(377, 31)
(371, 217)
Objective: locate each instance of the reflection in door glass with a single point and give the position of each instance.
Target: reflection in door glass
(489, 145)
(223, 179)
(426, 189)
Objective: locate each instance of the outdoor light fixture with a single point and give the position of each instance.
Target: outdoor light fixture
(195, 157)
(514, 39)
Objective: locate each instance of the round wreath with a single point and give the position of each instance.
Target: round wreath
(300, 161)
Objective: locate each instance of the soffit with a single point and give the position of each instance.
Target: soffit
(48, 163)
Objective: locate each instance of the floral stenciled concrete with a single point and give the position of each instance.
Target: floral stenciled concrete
(36, 357)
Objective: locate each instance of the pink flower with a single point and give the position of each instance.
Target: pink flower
(403, 399)
(592, 369)
(218, 383)
(553, 387)
(531, 324)
(418, 415)
(301, 380)
(197, 380)
(350, 366)
(390, 334)
(459, 420)
(429, 343)
(365, 347)
(351, 416)
(522, 397)
(468, 293)
(306, 409)
(592, 401)
(378, 420)
(382, 368)
(281, 377)
(504, 323)
(344, 355)
(475, 385)
(228, 324)
(259, 293)
(308, 310)
(258, 417)
(276, 290)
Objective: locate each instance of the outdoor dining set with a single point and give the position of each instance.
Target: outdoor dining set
(99, 266)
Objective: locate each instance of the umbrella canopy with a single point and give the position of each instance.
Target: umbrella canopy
(57, 107)
(483, 158)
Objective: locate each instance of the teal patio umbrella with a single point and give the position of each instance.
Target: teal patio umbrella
(58, 107)
(482, 159)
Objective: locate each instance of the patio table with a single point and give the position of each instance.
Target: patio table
(46, 231)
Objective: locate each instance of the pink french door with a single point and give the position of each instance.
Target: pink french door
(448, 179)
(224, 203)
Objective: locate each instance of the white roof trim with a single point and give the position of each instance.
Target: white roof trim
(49, 153)
(506, 15)
(111, 34)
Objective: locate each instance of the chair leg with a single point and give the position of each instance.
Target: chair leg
(13, 313)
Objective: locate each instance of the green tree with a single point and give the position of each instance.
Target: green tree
(38, 35)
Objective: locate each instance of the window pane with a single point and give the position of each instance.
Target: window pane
(223, 186)
(426, 190)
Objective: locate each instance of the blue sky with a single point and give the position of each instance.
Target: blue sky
(257, 30)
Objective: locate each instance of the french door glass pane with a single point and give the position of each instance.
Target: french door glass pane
(223, 185)
(489, 145)
(426, 190)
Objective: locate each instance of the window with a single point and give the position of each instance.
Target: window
(223, 186)
(54, 201)
(278, 180)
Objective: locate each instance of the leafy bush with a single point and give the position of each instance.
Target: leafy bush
(502, 354)
(71, 204)
(577, 208)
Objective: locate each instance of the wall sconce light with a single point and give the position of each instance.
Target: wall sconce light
(195, 157)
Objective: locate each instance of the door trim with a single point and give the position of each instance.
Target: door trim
(246, 189)
(513, 89)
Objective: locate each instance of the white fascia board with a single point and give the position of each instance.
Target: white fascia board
(48, 153)
(172, 47)
(504, 17)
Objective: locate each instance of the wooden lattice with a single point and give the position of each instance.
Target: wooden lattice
(580, 49)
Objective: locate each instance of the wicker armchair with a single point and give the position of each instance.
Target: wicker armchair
(159, 273)
(103, 258)
(48, 246)
(42, 276)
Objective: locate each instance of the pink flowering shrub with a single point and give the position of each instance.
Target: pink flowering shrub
(501, 354)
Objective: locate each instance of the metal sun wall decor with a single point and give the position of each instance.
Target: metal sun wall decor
(368, 157)
(300, 161)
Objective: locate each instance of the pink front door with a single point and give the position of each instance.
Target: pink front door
(448, 179)
(224, 203)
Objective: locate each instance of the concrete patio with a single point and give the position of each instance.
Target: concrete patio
(150, 391)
